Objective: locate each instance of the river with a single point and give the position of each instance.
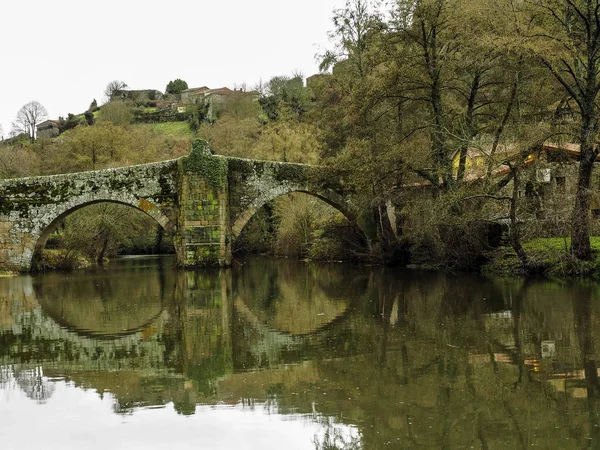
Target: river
(279, 354)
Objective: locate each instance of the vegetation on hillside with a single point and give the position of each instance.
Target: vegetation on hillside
(407, 90)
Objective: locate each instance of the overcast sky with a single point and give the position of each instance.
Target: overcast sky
(64, 53)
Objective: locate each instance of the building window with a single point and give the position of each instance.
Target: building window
(561, 183)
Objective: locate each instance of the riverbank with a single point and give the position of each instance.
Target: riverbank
(8, 273)
(547, 256)
(63, 260)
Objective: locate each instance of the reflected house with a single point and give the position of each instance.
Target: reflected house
(548, 349)
(48, 129)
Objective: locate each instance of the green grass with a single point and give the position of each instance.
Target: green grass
(170, 129)
(550, 256)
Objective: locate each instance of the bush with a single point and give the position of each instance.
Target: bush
(62, 259)
(89, 118)
(117, 112)
(69, 123)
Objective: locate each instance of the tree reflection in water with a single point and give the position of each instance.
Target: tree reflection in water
(405, 359)
(30, 381)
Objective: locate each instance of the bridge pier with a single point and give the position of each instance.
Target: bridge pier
(203, 229)
(203, 235)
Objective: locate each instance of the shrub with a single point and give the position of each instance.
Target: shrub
(69, 123)
(118, 112)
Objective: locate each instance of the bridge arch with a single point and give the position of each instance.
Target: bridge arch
(330, 197)
(50, 221)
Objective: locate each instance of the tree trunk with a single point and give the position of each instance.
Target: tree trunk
(515, 238)
(580, 221)
(100, 256)
(503, 123)
(469, 128)
(438, 138)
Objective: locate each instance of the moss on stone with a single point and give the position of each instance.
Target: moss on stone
(290, 172)
(240, 166)
(213, 169)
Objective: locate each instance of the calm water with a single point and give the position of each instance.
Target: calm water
(276, 354)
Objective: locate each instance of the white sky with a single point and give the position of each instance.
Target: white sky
(64, 53)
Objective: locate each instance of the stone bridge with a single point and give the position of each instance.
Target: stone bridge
(202, 201)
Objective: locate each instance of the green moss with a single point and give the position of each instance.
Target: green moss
(290, 172)
(20, 197)
(213, 169)
(241, 166)
(203, 256)
(167, 193)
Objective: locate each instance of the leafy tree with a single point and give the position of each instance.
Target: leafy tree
(69, 123)
(176, 86)
(96, 230)
(352, 25)
(95, 147)
(17, 161)
(29, 117)
(197, 114)
(285, 98)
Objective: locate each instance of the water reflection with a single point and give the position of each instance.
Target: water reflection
(373, 358)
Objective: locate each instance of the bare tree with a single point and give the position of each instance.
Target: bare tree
(28, 117)
(1, 133)
(114, 89)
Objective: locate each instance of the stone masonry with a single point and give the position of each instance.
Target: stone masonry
(202, 201)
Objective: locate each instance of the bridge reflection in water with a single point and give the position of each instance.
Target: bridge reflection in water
(404, 359)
